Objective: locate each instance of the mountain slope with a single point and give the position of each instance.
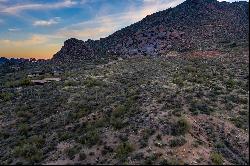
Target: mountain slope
(194, 24)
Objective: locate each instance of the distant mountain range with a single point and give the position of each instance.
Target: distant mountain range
(194, 24)
(4, 60)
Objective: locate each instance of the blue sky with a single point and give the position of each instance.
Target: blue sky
(38, 28)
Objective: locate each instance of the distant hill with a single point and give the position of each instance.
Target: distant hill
(3, 60)
(194, 24)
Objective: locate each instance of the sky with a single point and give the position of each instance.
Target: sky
(38, 28)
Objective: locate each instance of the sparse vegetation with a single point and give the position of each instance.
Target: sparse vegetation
(181, 127)
(177, 142)
(216, 158)
(128, 112)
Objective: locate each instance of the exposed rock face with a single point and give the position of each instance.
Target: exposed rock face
(194, 24)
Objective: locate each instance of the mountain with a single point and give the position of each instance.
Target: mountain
(194, 24)
(3, 60)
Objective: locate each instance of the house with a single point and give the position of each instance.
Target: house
(45, 80)
(36, 74)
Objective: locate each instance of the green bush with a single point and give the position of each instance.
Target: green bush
(29, 152)
(63, 136)
(119, 111)
(117, 123)
(92, 82)
(37, 140)
(216, 158)
(123, 150)
(200, 107)
(147, 133)
(231, 83)
(181, 127)
(90, 138)
(6, 96)
(179, 81)
(71, 152)
(23, 129)
(150, 160)
(177, 142)
(18, 83)
(71, 83)
(82, 111)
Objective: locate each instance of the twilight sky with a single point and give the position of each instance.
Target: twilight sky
(38, 28)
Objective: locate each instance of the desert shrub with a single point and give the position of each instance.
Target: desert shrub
(71, 83)
(232, 45)
(147, 133)
(231, 83)
(150, 160)
(29, 152)
(241, 121)
(177, 112)
(82, 111)
(101, 123)
(63, 136)
(71, 152)
(181, 127)
(179, 81)
(200, 107)
(123, 150)
(190, 69)
(17, 83)
(116, 119)
(25, 115)
(4, 134)
(37, 140)
(117, 123)
(92, 82)
(5, 96)
(177, 142)
(107, 149)
(82, 156)
(90, 138)
(119, 111)
(158, 137)
(23, 128)
(216, 158)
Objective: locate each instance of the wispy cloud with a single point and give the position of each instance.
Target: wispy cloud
(49, 22)
(15, 9)
(1, 1)
(13, 29)
(33, 40)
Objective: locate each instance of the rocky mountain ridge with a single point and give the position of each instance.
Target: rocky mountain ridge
(192, 25)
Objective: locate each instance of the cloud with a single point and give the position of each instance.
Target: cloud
(231, 0)
(47, 22)
(33, 40)
(15, 9)
(13, 29)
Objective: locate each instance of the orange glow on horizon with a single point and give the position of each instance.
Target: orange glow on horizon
(38, 52)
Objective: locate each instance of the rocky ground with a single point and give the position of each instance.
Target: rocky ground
(183, 108)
